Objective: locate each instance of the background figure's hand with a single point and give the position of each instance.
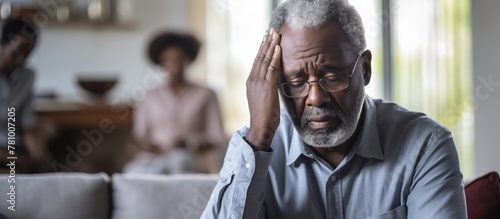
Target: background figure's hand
(262, 93)
(146, 145)
(179, 142)
(152, 149)
(37, 152)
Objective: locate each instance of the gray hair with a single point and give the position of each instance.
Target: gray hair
(300, 14)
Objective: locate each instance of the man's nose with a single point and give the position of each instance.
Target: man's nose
(317, 96)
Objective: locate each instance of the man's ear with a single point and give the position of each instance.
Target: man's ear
(367, 66)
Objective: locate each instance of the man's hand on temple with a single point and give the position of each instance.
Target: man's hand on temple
(262, 93)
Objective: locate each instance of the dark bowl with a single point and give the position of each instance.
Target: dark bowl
(97, 86)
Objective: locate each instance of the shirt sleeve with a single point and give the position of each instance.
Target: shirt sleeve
(437, 190)
(239, 192)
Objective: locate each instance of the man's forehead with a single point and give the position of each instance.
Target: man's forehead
(330, 37)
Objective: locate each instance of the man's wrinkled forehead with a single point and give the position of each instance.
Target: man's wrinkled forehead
(330, 38)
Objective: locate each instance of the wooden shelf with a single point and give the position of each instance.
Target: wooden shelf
(80, 114)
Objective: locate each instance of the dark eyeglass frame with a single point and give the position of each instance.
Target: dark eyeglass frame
(320, 84)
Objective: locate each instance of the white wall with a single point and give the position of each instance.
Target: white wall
(486, 56)
(64, 51)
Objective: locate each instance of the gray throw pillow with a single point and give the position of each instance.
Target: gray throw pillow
(182, 196)
(56, 195)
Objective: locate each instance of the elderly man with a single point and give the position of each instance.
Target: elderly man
(334, 152)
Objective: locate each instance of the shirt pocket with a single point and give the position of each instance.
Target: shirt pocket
(396, 213)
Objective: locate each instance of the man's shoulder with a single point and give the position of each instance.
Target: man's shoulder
(27, 70)
(392, 114)
(398, 126)
(24, 74)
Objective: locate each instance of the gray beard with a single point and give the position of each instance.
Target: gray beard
(334, 136)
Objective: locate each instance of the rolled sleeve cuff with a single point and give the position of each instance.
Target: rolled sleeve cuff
(242, 160)
(242, 176)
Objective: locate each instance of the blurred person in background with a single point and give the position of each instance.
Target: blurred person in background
(178, 125)
(16, 96)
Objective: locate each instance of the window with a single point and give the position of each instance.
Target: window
(234, 31)
(432, 65)
(369, 11)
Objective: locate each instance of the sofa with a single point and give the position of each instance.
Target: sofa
(141, 196)
(100, 196)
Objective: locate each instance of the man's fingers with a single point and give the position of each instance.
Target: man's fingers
(272, 70)
(266, 61)
(269, 50)
(267, 53)
(260, 55)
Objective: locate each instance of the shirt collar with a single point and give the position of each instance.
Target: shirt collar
(367, 145)
(297, 148)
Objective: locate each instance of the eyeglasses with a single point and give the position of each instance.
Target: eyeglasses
(330, 84)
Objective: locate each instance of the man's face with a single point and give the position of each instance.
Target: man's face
(16, 52)
(323, 119)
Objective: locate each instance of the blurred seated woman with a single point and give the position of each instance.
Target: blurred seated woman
(178, 124)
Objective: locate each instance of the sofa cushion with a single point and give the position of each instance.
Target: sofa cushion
(483, 197)
(161, 196)
(57, 195)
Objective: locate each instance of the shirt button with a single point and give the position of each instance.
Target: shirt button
(233, 216)
(333, 178)
(247, 165)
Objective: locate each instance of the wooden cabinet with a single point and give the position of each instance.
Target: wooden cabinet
(85, 136)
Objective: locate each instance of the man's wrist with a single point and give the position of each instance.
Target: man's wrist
(257, 142)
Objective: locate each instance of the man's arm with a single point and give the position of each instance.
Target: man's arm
(262, 93)
(37, 152)
(437, 189)
(239, 191)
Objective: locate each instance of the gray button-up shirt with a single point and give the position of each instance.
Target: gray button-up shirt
(17, 91)
(403, 165)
